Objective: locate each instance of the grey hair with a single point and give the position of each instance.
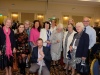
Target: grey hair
(60, 25)
(80, 24)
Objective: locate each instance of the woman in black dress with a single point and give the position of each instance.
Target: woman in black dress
(7, 46)
(22, 47)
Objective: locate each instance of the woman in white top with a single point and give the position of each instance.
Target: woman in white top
(45, 34)
(68, 37)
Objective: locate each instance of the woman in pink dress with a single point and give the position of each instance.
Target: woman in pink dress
(35, 33)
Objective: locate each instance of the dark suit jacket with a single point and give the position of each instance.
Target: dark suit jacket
(82, 49)
(47, 58)
(3, 38)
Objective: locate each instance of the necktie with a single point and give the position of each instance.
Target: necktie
(85, 29)
(40, 69)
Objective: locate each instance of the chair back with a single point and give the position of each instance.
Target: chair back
(94, 69)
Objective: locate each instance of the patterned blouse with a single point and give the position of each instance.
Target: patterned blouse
(22, 43)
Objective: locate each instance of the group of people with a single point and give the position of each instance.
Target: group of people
(43, 44)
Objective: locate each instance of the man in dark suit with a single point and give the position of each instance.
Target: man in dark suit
(41, 59)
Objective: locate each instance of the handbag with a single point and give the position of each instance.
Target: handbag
(15, 64)
(69, 55)
(83, 67)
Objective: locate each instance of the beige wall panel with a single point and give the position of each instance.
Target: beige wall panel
(27, 16)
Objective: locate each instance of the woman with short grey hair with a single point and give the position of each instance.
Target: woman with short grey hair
(79, 47)
(56, 43)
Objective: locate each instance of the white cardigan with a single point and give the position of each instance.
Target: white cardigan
(43, 35)
(70, 38)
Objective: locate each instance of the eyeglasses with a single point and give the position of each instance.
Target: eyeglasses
(85, 21)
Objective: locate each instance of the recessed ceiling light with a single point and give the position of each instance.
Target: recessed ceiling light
(12, 4)
(73, 8)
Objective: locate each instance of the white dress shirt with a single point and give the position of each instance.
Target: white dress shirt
(39, 55)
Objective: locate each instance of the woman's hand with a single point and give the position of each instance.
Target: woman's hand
(58, 41)
(70, 48)
(14, 50)
(34, 44)
(23, 55)
(48, 42)
(83, 58)
(0, 53)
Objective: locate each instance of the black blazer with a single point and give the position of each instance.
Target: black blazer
(82, 49)
(47, 57)
(3, 38)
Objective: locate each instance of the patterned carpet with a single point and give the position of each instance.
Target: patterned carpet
(55, 70)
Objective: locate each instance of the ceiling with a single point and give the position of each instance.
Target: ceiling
(91, 3)
(75, 2)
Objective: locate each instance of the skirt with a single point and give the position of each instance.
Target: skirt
(55, 56)
(5, 62)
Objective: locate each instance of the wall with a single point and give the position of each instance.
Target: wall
(57, 10)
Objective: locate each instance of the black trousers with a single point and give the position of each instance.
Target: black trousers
(88, 57)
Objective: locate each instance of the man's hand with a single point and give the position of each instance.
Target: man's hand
(39, 59)
(41, 53)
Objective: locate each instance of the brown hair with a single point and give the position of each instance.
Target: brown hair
(19, 26)
(46, 22)
(39, 28)
(40, 39)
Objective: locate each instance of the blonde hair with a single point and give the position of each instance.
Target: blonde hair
(80, 24)
(5, 20)
(27, 21)
(60, 25)
(72, 20)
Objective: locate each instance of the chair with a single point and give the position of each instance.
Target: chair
(94, 69)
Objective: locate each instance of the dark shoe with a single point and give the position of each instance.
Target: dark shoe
(69, 72)
(22, 71)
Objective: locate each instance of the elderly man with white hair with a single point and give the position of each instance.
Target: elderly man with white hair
(79, 48)
(56, 43)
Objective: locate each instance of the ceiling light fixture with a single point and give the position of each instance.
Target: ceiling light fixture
(91, 0)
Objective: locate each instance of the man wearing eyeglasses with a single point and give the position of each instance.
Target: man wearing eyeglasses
(90, 31)
(92, 36)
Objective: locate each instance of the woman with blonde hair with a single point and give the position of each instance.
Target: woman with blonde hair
(7, 46)
(56, 43)
(71, 21)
